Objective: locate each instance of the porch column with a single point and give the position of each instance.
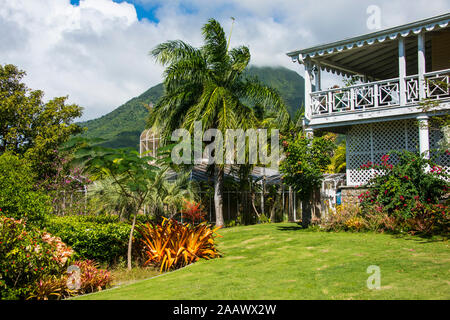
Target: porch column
(421, 64)
(402, 70)
(308, 89)
(424, 140)
(317, 78)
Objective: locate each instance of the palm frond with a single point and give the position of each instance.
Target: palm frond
(173, 51)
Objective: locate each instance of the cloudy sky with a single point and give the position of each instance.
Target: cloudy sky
(96, 51)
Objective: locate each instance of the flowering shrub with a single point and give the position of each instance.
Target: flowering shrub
(26, 255)
(395, 189)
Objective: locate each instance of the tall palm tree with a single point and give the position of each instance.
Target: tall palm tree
(207, 84)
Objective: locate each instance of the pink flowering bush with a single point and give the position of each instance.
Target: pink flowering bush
(396, 189)
(26, 255)
(409, 195)
(34, 264)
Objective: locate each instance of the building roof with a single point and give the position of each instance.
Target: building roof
(374, 54)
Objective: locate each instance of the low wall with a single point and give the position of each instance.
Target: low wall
(349, 194)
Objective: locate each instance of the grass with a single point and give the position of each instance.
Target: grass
(121, 276)
(282, 261)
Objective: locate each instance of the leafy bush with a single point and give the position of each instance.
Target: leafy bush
(92, 278)
(100, 238)
(18, 197)
(429, 219)
(345, 218)
(172, 245)
(396, 189)
(27, 255)
(49, 288)
(305, 162)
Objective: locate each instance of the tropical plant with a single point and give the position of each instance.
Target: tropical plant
(207, 84)
(132, 174)
(92, 277)
(105, 197)
(193, 211)
(51, 288)
(168, 193)
(338, 161)
(172, 245)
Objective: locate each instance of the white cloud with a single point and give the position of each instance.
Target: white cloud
(97, 52)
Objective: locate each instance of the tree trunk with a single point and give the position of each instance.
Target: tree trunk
(130, 241)
(218, 195)
(291, 206)
(273, 209)
(306, 211)
(316, 204)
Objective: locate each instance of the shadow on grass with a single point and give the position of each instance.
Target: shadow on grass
(291, 228)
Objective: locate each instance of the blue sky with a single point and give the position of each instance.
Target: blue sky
(96, 51)
(144, 11)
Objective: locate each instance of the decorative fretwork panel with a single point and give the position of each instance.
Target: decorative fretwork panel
(412, 89)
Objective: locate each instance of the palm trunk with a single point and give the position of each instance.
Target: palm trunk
(218, 195)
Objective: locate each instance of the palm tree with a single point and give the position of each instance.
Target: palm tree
(338, 161)
(207, 84)
(168, 195)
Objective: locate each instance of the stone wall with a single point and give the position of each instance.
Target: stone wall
(349, 194)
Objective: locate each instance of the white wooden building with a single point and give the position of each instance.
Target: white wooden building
(398, 67)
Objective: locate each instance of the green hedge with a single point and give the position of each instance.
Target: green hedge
(101, 238)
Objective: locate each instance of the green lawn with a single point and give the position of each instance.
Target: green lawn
(281, 261)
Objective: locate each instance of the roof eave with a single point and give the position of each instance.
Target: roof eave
(404, 30)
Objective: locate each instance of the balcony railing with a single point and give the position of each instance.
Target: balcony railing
(385, 93)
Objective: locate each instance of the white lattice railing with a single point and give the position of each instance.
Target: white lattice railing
(377, 94)
(437, 84)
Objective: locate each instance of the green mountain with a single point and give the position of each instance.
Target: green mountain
(123, 126)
